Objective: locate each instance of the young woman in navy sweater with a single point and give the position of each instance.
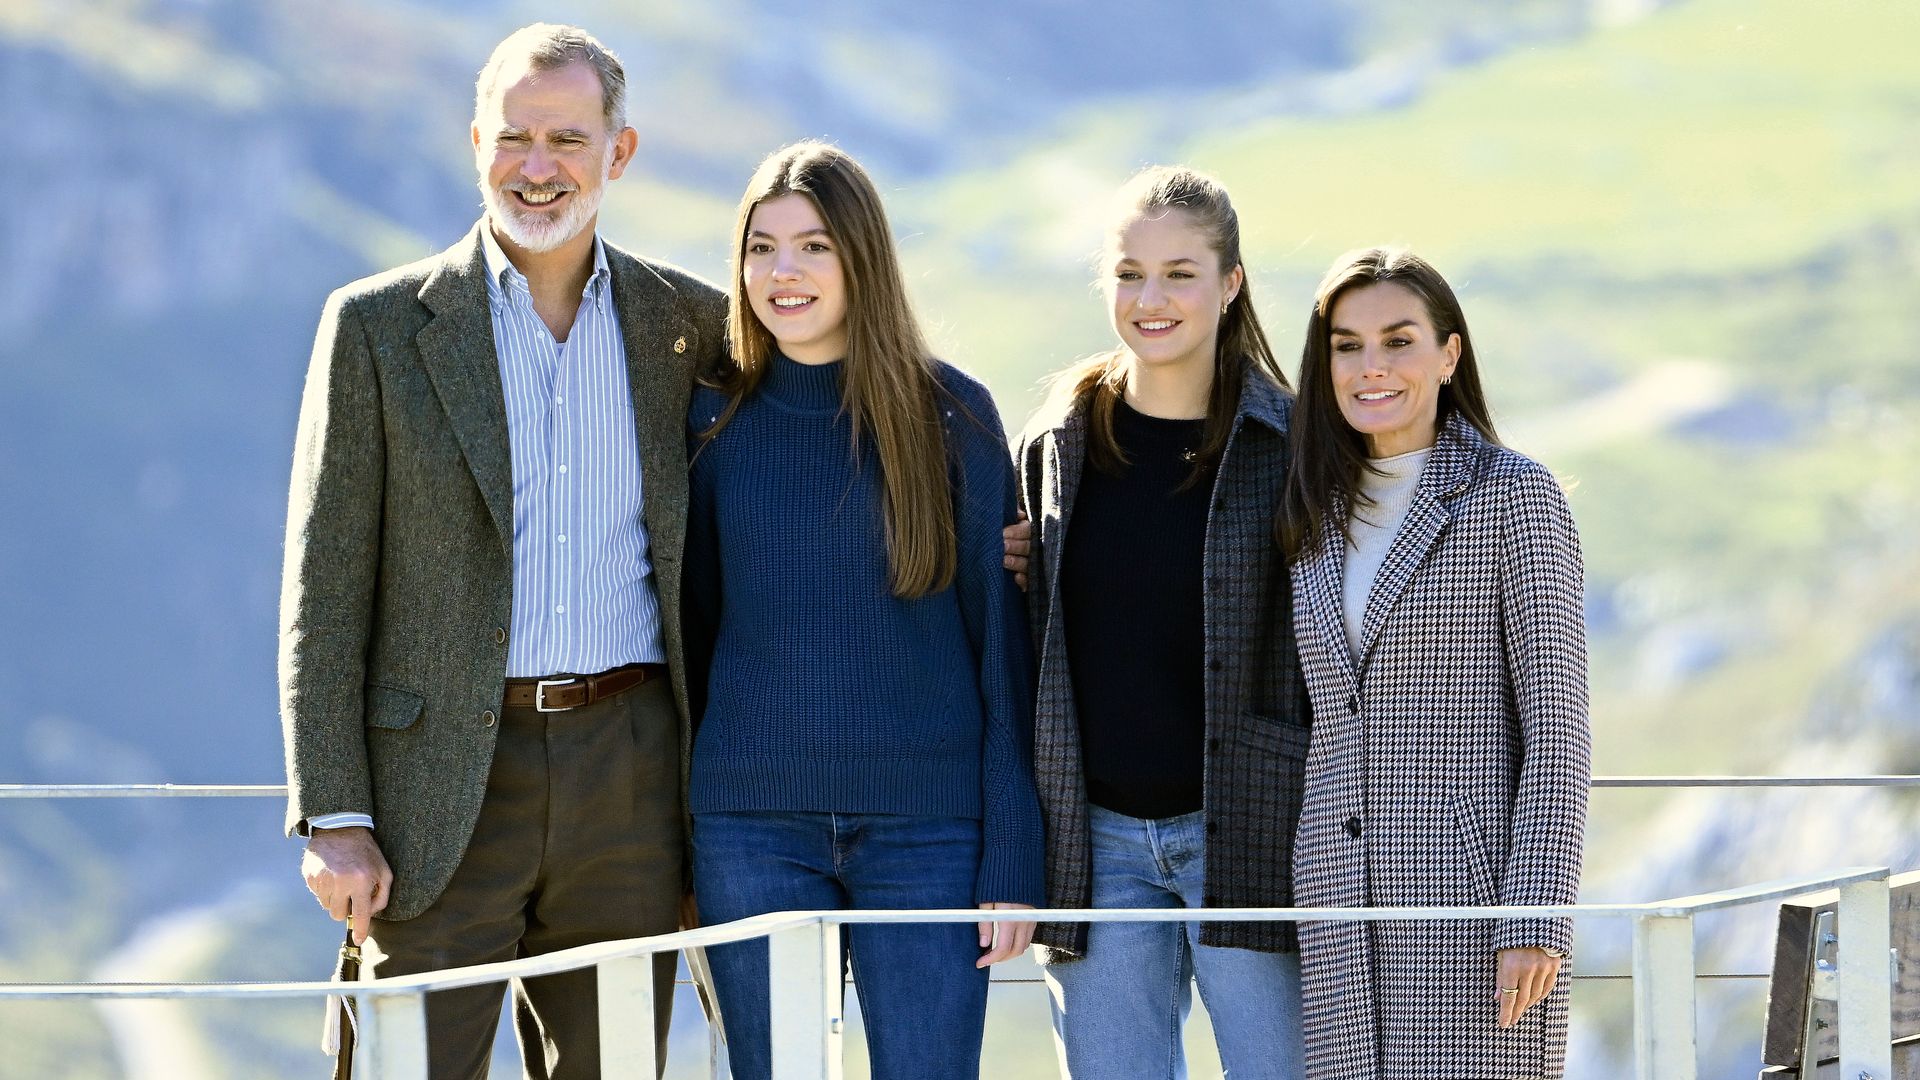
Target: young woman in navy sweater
(862, 674)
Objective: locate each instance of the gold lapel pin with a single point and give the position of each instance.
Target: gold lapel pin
(680, 344)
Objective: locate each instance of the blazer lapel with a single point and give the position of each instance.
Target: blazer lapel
(655, 331)
(458, 350)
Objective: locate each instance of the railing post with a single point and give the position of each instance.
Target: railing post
(626, 1017)
(393, 1036)
(804, 966)
(1866, 996)
(1663, 1006)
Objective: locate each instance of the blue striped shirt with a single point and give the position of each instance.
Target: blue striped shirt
(583, 594)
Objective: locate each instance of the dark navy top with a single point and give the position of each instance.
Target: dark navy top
(814, 687)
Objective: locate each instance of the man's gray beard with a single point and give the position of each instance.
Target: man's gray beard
(540, 237)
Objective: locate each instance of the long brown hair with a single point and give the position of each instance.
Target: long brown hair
(888, 385)
(1328, 453)
(1100, 381)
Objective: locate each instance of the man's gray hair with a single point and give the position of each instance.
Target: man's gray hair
(549, 47)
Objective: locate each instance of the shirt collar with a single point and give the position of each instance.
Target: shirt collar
(501, 272)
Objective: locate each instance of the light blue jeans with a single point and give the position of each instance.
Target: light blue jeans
(1118, 1012)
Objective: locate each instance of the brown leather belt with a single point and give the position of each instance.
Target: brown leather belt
(572, 691)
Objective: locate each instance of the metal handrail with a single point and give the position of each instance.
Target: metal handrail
(805, 960)
(270, 791)
(804, 949)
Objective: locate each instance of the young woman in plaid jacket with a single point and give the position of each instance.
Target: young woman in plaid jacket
(1437, 602)
(1171, 724)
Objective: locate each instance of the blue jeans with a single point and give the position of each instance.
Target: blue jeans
(923, 1002)
(1118, 1012)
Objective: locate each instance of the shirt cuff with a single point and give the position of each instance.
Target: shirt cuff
(339, 821)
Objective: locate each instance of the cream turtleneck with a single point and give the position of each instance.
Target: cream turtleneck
(1373, 528)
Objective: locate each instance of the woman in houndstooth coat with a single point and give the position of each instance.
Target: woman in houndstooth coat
(1437, 605)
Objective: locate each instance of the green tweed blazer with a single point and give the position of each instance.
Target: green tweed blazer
(399, 560)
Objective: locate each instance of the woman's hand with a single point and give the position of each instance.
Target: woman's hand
(1524, 979)
(1003, 940)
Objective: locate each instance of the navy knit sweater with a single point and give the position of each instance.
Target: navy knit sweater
(815, 687)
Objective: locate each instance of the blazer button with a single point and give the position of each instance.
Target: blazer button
(1214, 665)
(1213, 744)
(1212, 827)
(1353, 704)
(1213, 583)
(488, 718)
(1353, 826)
(499, 635)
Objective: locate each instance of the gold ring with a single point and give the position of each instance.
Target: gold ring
(1504, 990)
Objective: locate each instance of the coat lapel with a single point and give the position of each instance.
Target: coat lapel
(1444, 477)
(655, 331)
(458, 350)
(1323, 569)
(1069, 449)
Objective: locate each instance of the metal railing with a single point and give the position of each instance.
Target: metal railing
(804, 958)
(804, 954)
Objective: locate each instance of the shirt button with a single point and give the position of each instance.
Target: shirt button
(559, 400)
(488, 718)
(499, 635)
(562, 538)
(559, 609)
(563, 470)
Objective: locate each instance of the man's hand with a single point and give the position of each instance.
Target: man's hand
(1019, 540)
(1525, 978)
(344, 867)
(1003, 940)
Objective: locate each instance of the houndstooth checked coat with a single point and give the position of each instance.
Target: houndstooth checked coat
(1256, 709)
(1449, 766)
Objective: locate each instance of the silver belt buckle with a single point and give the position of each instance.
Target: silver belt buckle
(540, 694)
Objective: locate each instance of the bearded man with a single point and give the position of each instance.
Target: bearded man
(479, 656)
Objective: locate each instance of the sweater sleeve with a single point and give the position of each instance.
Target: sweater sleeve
(1546, 654)
(700, 568)
(986, 495)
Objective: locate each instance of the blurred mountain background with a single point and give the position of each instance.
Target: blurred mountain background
(1687, 235)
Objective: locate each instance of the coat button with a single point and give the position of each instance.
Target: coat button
(1210, 900)
(488, 718)
(1213, 583)
(1214, 665)
(1353, 826)
(1212, 827)
(499, 635)
(1220, 504)
(1213, 745)
(1353, 704)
